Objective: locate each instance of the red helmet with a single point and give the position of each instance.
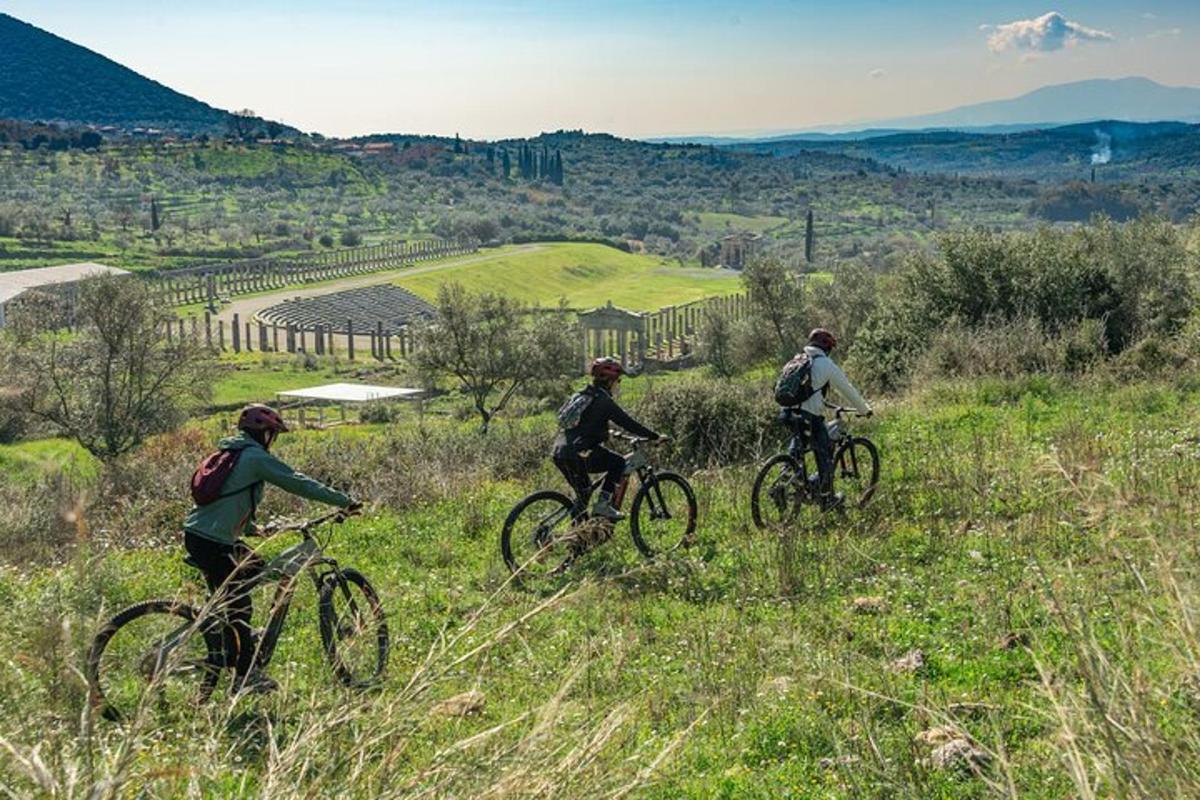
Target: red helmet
(823, 339)
(257, 417)
(607, 368)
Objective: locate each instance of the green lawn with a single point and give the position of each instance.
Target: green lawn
(586, 275)
(716, 222)
(27, 461)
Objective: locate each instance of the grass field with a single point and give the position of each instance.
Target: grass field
(586, 275)
(718, 223)
(1034, 542)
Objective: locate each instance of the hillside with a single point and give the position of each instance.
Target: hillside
(48, 78)
(1123, 150)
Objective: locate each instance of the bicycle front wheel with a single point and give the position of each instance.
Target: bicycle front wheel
(778, 491)
(856, 465)
(534, 541)
(353, 628)
(663, 515)
(153, 654)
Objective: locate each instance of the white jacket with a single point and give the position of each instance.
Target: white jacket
(825, 375)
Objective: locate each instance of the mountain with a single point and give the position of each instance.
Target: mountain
(1128, 99)
(50, 79)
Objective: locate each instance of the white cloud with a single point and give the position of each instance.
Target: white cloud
(1149, 15)
(1164, 34)
(877, 73)
(1044, 34)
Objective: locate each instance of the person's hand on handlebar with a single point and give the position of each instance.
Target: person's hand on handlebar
(352, 509)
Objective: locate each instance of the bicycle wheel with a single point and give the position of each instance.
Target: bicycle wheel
(153, 647)
(534, 541)
(779, 490)
(856, 464)
(353, 628)
(663, 515)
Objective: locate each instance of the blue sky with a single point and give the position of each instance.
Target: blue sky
(657, 67)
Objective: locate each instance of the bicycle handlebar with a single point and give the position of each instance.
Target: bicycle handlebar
(636, 439)
(337, 517)
(839, 411)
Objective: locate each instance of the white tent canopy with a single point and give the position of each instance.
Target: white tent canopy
(349, 393)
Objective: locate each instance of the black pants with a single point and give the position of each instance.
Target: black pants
(230, 569)
(576, 468)
(822, 448)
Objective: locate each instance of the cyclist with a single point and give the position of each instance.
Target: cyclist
(579, 447)
(826, 374)
(211, 532)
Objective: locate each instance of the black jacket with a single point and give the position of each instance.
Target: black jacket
(592, 429)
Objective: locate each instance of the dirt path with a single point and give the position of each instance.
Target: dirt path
(247, 307)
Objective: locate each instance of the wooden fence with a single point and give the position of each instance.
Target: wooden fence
(210, 283)
(639, 339)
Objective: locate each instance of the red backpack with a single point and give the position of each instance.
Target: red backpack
(210, 476)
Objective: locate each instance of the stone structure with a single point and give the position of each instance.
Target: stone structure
(737, 249)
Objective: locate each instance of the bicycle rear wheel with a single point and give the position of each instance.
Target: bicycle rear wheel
(534, 541)
(353, 628)
(663, 515)
(779, 490)
(153, 653)
(856, 470)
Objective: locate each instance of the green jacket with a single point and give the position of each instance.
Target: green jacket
(226, 519)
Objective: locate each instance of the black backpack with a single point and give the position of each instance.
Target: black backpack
(794, 385)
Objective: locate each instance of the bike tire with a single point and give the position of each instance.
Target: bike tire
(333, 628)
(848, 463)
(758, 501)
(647, 496)
(516, 564)
(183, 614)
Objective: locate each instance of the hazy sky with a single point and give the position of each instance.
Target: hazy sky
(654, 67)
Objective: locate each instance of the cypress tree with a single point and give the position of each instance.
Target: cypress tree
(505, 164)
(809, 237)
(155, 221)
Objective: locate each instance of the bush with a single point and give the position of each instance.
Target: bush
(1128, 281)
(351, 238)
(711, 422)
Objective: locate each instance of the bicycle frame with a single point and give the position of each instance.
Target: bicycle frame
(636, 463)
(304, 556)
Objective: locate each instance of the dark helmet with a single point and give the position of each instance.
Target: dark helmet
(257, 417)
(607, 368)
(823, 339)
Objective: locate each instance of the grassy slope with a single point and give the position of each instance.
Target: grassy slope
(585, 274)
(1009, 508)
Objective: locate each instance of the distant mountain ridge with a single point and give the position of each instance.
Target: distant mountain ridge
(1125, 99)
(47, 78)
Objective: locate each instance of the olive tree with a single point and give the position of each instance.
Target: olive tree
(114, 379)
(493, 347)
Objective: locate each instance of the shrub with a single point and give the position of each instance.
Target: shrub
(711, 422)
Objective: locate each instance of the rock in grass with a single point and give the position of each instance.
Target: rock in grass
(1012, 640)
(872, 604)
(461, 705)
(840, 761)
(939, 735)
(958, 754)
(911, 661)
(779, 685)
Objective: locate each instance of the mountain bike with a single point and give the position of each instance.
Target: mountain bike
(547, 531)
(172, 654)
(789, 479)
